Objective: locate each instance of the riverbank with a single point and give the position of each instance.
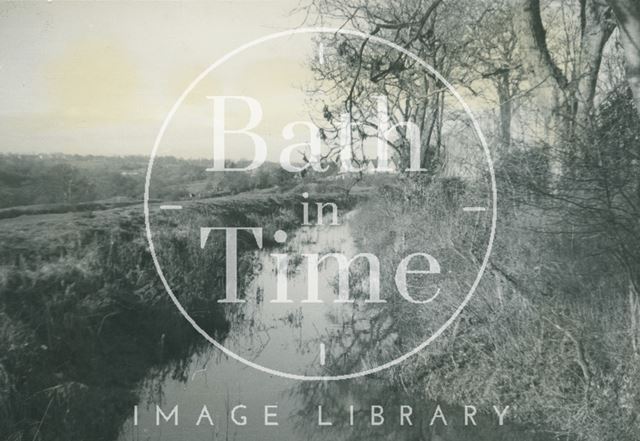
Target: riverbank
(214, 395)
(84, 317)
(546, 331)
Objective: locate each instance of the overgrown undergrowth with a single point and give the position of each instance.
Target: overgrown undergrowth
(83, 315)
(548, 329)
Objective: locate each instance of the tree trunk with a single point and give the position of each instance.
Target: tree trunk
(597, 26)
(627, 13)
(543, 75)
(533, 41)
(504, 98)
(577, 93)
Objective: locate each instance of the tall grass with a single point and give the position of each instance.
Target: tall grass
(84, 317)
(546, 332)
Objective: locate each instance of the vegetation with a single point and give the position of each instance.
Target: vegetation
(553, 329)
(83, 316)
(72, 179)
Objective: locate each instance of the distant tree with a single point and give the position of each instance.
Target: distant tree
(114, 184)
(64, 183)
(491, 56)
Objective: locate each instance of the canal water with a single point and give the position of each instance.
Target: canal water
(302, 338)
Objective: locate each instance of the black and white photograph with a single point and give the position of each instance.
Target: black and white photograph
(323, 220)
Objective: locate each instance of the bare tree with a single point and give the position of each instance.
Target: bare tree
(471, 43)
(627, 13)
(355, 70)
(492, 54)
(577, 89)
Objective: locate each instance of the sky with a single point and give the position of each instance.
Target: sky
(100, 77)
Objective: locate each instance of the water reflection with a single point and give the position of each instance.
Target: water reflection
(288, 337)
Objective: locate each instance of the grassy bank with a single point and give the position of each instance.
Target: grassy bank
(547, 331)
(83, 315)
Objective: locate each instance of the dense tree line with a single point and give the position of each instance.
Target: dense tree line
(50, 179)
